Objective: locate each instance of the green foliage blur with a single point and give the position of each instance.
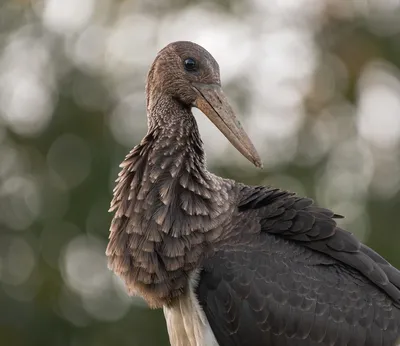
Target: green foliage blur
(317, 85)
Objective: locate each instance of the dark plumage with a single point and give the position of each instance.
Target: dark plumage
(260, 265)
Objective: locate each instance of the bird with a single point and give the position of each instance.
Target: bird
(232, 264)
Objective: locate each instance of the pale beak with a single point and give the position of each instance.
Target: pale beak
(213, 103)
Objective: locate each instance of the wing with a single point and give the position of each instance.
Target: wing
(275, 292)
(298, 219)
(287, 275)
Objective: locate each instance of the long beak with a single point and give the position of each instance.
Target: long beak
(213, 103)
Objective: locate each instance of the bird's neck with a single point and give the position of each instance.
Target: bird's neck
(176, 129)
(168, 208)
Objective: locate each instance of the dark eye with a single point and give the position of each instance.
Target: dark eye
(190, 64)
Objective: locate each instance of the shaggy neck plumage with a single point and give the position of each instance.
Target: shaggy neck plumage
(169, 208)
(176, 128)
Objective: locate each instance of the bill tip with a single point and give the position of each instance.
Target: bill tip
(258, 163)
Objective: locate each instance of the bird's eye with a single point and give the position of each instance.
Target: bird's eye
(190, 64)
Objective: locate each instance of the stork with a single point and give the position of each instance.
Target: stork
(232, 264)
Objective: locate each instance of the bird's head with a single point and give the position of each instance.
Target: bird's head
(186, 72)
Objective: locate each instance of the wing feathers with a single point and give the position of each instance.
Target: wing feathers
(297, 219)
(300, 281)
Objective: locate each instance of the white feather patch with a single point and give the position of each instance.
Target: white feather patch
(187, 323)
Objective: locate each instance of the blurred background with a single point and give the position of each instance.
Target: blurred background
(316, 82)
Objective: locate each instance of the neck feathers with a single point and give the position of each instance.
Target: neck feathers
(168, 210)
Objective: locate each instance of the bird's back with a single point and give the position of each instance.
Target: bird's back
(277, 292)
(288, 275)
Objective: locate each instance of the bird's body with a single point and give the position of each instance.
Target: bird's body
(232, 264)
